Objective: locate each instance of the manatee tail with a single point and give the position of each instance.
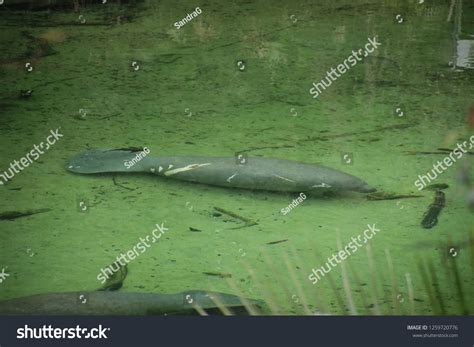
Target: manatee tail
(109, 160)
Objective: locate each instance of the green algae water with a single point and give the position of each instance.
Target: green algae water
(242, 79)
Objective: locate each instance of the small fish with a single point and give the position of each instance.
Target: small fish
(26, 93)
(275, 242)
(218, 274)
(130, 149)
(12, 215)
(430, 218)
(115, 282)
(389, 196)
(437, 186)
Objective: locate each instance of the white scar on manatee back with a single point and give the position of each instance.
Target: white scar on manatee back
(186, 168)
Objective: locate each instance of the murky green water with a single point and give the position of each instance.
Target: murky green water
(237, 79)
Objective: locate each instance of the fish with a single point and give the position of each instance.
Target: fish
(12, 215)
(430, 217)
(436, 186)
(94, 303)
(255, 173)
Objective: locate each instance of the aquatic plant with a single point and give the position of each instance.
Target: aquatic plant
(422, 292)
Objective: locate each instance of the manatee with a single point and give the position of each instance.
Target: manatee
(254, 173)
(117, 303)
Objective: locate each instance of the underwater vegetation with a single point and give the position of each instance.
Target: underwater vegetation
(384, 292)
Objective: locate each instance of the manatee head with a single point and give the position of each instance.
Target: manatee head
(343, 181)
(365, 188)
